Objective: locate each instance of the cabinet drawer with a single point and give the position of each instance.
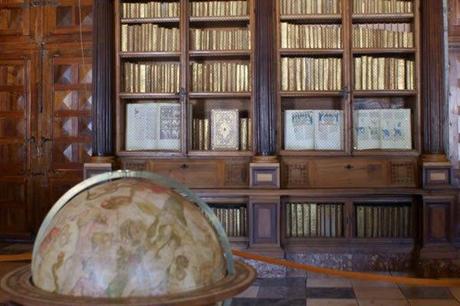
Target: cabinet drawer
(192, 173)
(348, 173)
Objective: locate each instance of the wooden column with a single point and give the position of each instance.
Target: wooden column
(265, 169)
(434, 98)
(265, 72)
(103, 79)
(103, 89)
(436, 168)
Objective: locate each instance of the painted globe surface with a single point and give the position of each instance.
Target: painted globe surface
(127, 238)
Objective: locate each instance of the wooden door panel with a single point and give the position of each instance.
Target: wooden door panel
(454, 20)
(15, 111)
(14, 18)
(15, 211)
(69, 109)
(65, 20)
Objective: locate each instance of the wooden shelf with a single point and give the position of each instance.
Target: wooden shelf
(217, 54)
(301, 52)
(382, 17)
(220, 153)
(223, 95)
(386, 152)
(384, 93)
(148, 96)
(220, 19)
(151, 20)
(152, 154)
(310, 94)
(150, 54)
(313, 153)
(384, 51)
(313, 18)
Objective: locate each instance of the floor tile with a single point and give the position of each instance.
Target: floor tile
(433, 303)
(332, 302)
(361, 283)
(328, 283)
(243, 302)
(283, 282)
(296, 273)
(383, 302)
(330, 293)
(367, 293)
(414, 293)
(251, 292)
(455, 292)
(280, 302)
(273, 292)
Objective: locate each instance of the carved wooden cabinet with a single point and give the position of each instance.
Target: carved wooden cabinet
(45, 107)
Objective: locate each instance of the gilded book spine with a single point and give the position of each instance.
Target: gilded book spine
(206, 135)
(244, 134)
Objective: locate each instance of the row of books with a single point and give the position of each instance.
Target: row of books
(234, 220)
(382, 6)
(303, 36)
(151, 77)
(221, 77)
(219, 8)
(311, 74)
(382, 129)
(384, 73)
(149, 37)
(202, 140)
(220, 39)
(383, 221)
(153, 126)
(314, 220)
(313, 129)
(304, 7)
(153, 9)
(383, 35)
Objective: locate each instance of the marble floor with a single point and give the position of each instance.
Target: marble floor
(319, 290)
(310, 289)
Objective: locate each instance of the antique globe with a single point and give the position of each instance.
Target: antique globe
(129, 238)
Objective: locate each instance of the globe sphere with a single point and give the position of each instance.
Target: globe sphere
(124, 238)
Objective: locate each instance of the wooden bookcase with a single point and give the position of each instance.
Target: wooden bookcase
(195, 104)
(347, 97)
(341, 183)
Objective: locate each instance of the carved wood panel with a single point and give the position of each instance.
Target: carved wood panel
(69, 17)
(15, 211)
(264, 223)
(14, 18)
(454, 104)
(454, 20)
(438, 220)
(68, 140)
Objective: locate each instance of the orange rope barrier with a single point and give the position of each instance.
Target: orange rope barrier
(16, 257)
(354, 275)
(309, 268)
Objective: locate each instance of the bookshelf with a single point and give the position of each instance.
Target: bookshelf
(198, 56)
(228, 63)
(386, 40)
(384, 35)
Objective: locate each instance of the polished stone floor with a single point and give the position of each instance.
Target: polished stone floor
(313, 290)
(319, 290)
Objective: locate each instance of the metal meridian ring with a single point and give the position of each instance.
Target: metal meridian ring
(155, 178)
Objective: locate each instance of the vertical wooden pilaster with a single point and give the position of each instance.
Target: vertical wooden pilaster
(265, 72)
(434, 99)
(103, 79)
